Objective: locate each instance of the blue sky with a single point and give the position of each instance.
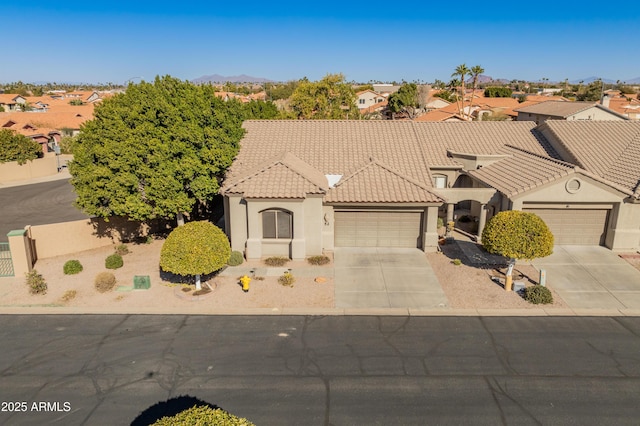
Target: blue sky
(113, 41)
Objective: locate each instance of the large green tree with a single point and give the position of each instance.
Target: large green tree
(329, 98)
(195, 249)
(155, 151)
(517, 235)
(17, 147)
(405, 100)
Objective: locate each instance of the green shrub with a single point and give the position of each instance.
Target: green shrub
(113, 261)
(72, 267)
(457, 262)
(287, 279)
(538, 294)
(276, 261)
(318, 260)
(440, 222)
(36, 283)
(235, 259)
(105, 281)
(122, 249)
(195, 248)
(203, 415)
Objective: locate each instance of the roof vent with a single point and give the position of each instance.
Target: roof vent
(573, 186)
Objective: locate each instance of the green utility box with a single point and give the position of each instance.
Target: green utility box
(141, 282)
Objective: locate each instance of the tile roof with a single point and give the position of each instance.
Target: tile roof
(283, 177)
(336, 147)
(477, 137)
(303, 152)
(378, 183)
(521, 171)
(545, 98)
(562, 109)
(608, 149)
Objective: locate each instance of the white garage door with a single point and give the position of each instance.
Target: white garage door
(377, 229)
(574, 226)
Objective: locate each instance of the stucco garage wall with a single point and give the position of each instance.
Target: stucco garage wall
(626, 235)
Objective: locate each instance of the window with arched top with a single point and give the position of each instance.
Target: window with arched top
(439, 181)
(277, 224)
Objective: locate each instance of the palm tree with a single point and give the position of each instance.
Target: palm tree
(462, 71)
(475, 73)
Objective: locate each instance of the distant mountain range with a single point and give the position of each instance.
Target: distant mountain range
(217, 78)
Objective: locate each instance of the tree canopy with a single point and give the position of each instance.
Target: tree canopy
(155, 151)
(517, 235)
(497, 92)
(17, 147)
(405, 100)
(329, 98)
(195, 249)
(203, 415)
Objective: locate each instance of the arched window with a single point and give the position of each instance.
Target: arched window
(439, 181)
(277, 224)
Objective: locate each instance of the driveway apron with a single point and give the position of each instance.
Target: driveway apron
(385, 278)
(591, 277)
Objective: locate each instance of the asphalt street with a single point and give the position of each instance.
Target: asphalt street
(313, 370)
(37, 204)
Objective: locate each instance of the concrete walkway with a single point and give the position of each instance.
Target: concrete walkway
(592, 277)
(385, 278)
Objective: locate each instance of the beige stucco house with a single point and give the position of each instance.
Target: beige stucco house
(569, 111)
(299, 188)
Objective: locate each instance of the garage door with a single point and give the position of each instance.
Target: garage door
(573, 226)
(377, 229)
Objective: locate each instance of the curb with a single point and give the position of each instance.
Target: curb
(404, 312)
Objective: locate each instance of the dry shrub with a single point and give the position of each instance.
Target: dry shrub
(105, 281)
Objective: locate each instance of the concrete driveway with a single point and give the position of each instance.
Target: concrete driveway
(385, 278)
(591, 277)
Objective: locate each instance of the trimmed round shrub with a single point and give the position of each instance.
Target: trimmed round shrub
(113, 261)
(276, 261)
(72, 267)
(195, 248)
(105, 281)
(517, 235)
(203, 415)
(538, 294)
(318, 260)
(36, 283)
(235, 259)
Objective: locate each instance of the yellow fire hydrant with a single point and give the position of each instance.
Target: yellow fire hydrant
(245, 280)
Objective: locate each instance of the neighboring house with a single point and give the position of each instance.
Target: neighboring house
(368, 98)
(375, 110)
(385, 183)
(544, 98)
(11, 102)
(569, 111)
(46, 137)
(623, 105)
(436, 103)
(451, 112)
(385, 89)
